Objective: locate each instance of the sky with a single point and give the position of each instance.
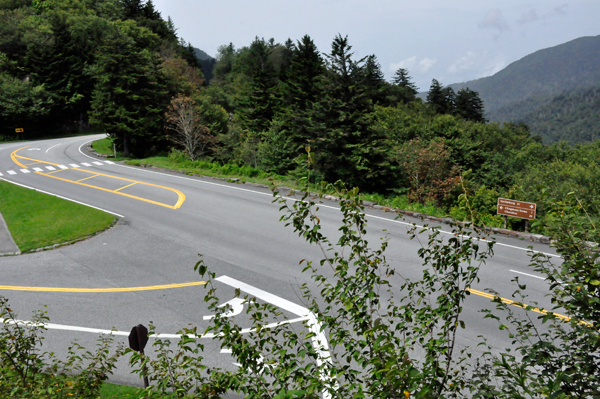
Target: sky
(449, 40)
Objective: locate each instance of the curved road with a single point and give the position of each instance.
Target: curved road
(142, 269)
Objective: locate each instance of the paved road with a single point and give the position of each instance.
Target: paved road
(142, 269)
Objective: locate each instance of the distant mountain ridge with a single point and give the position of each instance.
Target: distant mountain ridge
(554, 91)
(206, 62)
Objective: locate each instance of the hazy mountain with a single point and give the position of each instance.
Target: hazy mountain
(531, 89)
(206, 62)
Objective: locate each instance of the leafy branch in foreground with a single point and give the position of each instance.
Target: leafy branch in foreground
(26, 371)
(368, 331)
(563, 359)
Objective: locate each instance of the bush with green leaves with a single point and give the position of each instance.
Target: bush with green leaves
(368, 331)
(561, 360)
(28, 372)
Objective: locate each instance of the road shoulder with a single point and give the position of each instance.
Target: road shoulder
(7, 244)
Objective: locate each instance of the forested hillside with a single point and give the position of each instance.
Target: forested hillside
(572, 116)
(286, 109)
(521, 91)
(67, 64)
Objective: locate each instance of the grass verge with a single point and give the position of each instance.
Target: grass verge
(253, 175)
(114, 391)
(105, 146)
(38, 220)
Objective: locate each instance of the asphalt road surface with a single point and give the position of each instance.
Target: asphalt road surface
(141, 270)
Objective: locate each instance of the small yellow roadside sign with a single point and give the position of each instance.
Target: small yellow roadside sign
(19, 130)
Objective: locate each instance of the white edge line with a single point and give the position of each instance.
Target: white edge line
(319, 340)
(527, 274)
(60, 196)
(320, 205)
(53, 146)
(51, 326)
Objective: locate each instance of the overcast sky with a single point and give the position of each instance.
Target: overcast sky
(450, 40)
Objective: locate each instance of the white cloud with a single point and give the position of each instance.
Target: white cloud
(407, 63)
(494, 19)
(492, 68)
(465, 63)
(426, 63)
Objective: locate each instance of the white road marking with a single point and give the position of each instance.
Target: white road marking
(53, 147)
(60, 196)
(1, 174)
(85, 164)
(73, 165)
(25, 171)
(50, 168)
(98, 163)
(64, 327)
(530, 275)
(62, 167)
(33, 149)
(38, 169)
(11, 172)
(237, 306)
(319, 340)
(109, 162)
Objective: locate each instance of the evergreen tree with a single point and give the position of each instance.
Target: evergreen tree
(441, 99)
(224, 64)
(347, 149)
(402, 89)
(129, 96)
(374, 80)
(258, 102)
(402, 78)
(470, 106)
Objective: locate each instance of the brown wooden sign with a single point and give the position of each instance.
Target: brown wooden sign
(516, 209)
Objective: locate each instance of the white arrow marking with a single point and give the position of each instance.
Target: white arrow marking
(237, 305)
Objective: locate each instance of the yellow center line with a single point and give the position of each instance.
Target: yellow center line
(56, 171)
(180, 195)
(36, 160)
(521, 305)
(129, 185)
(13, 156)
(89, 290)
(85, 178)
(118, 192)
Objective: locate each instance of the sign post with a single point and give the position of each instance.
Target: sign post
(138, 338)
(517, 209)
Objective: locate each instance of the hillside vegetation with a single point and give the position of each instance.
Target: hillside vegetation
(287, 109)
(521, 91)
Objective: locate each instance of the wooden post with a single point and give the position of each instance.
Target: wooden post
(505, 221)
(526, 225)
(115, 150)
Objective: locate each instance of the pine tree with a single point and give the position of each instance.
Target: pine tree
(402, 78)
(129, 96)
(374, 80)
(470, 106)
(347, 149)
(441, 99)
(258, 102)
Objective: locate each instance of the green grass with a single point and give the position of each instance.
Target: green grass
(248, 174)
(402, 202)
(37, 220)
(214, 169)
(114, 391)
(105, 146)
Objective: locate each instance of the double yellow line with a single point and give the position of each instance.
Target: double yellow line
(180, 195)
(88, 290)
